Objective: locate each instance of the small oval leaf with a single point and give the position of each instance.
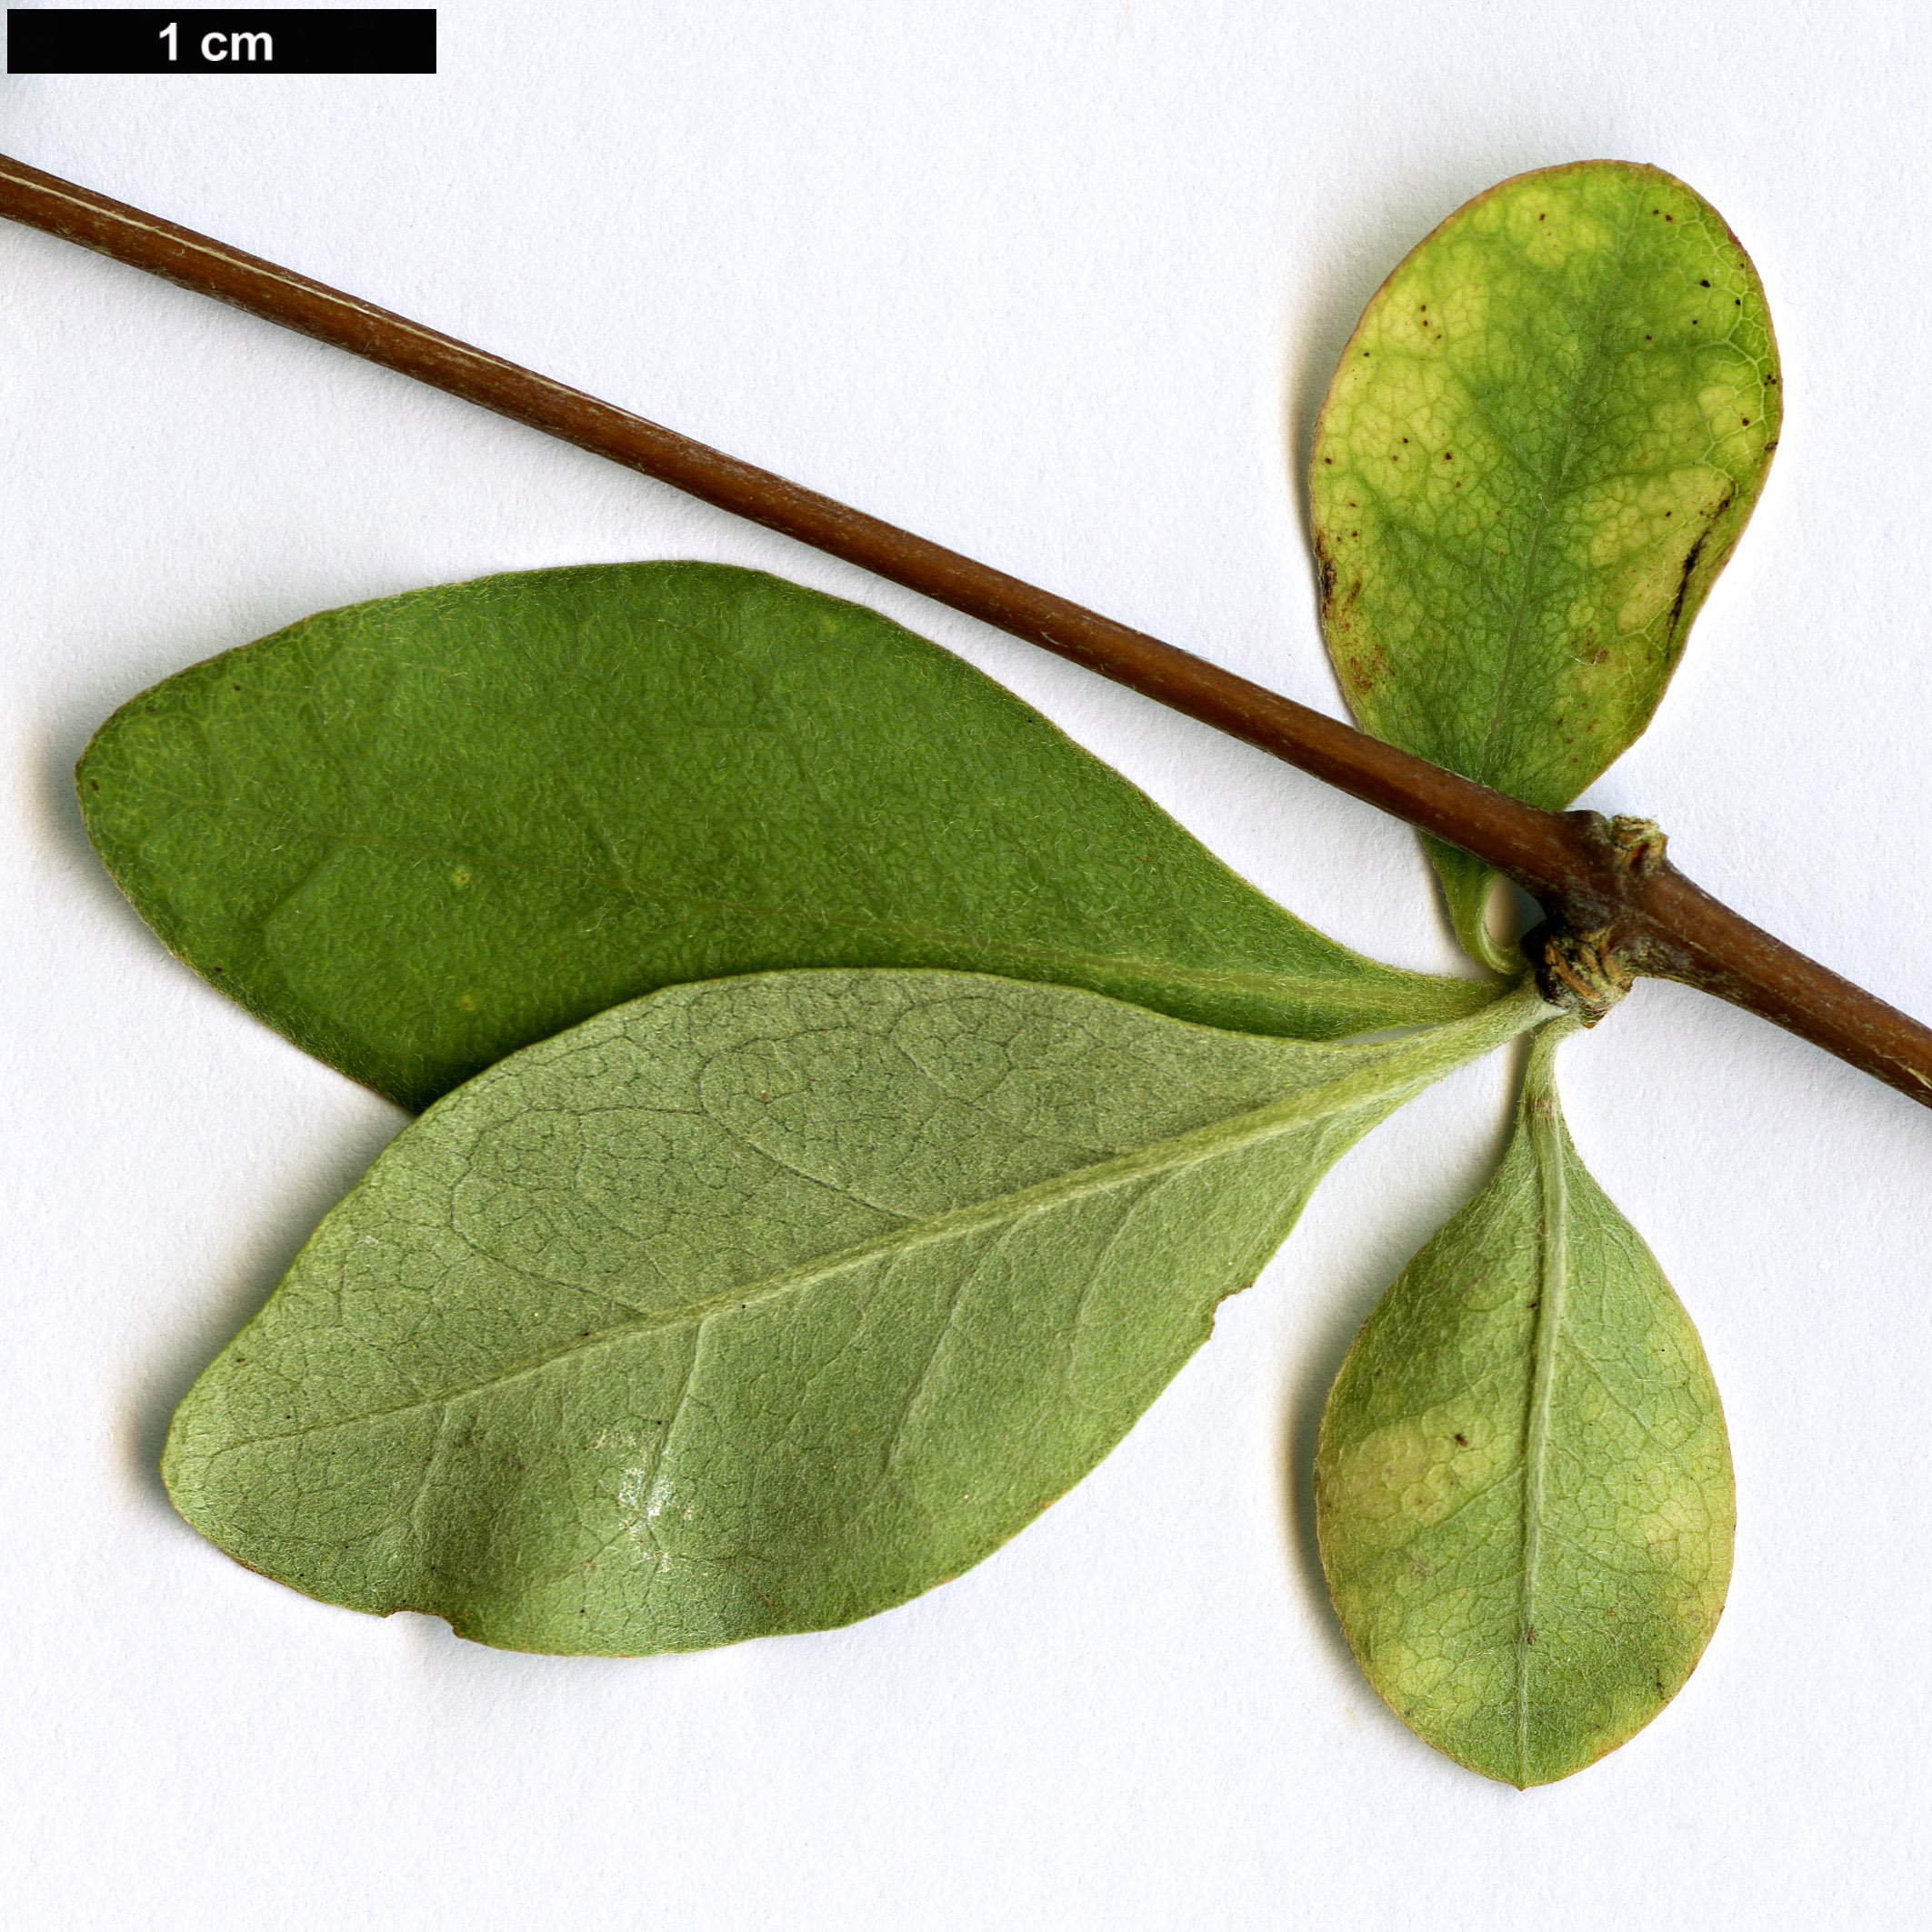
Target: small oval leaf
(1540, 446)
(1522, 1481)
(415, 835)
(761, 1304)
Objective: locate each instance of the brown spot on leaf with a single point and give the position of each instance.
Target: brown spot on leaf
(1366, 670)
(1690, 562)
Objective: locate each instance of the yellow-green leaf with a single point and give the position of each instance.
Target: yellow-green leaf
(1540, 446)
(1523, 1482)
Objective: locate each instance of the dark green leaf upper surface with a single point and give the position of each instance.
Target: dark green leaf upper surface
(1523, 1483)
(418, 834)
(1540, 446)
(761, 1304)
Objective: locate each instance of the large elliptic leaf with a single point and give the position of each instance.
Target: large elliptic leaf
(761, 1304)
(418, 834)
(1523, 1483)
(1540, 446)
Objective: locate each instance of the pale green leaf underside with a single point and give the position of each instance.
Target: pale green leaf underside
(418, 834)
(1523, 1480)
(1540, 446)
(761, 1304)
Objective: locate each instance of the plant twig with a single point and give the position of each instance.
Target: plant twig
(1627, 903)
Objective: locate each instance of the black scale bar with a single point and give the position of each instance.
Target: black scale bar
(221, 40)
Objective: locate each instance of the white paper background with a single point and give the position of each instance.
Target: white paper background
(1059, 285)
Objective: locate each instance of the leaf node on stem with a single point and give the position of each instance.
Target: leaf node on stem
(1588, 953)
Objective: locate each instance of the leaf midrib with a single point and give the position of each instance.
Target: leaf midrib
(1613, 284)
(1546, 1138)
(1357, 1089)
(1320, 988)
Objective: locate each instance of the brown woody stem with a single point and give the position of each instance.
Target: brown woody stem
(1628, 910)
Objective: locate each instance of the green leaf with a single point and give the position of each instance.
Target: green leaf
(1540, 449)
(761, 1304)
(418, 834)
(1523, 1483)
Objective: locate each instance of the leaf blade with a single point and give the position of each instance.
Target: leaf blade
(418, 834)
(1541, 445)
(761, 1304)
(1524, 1492)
